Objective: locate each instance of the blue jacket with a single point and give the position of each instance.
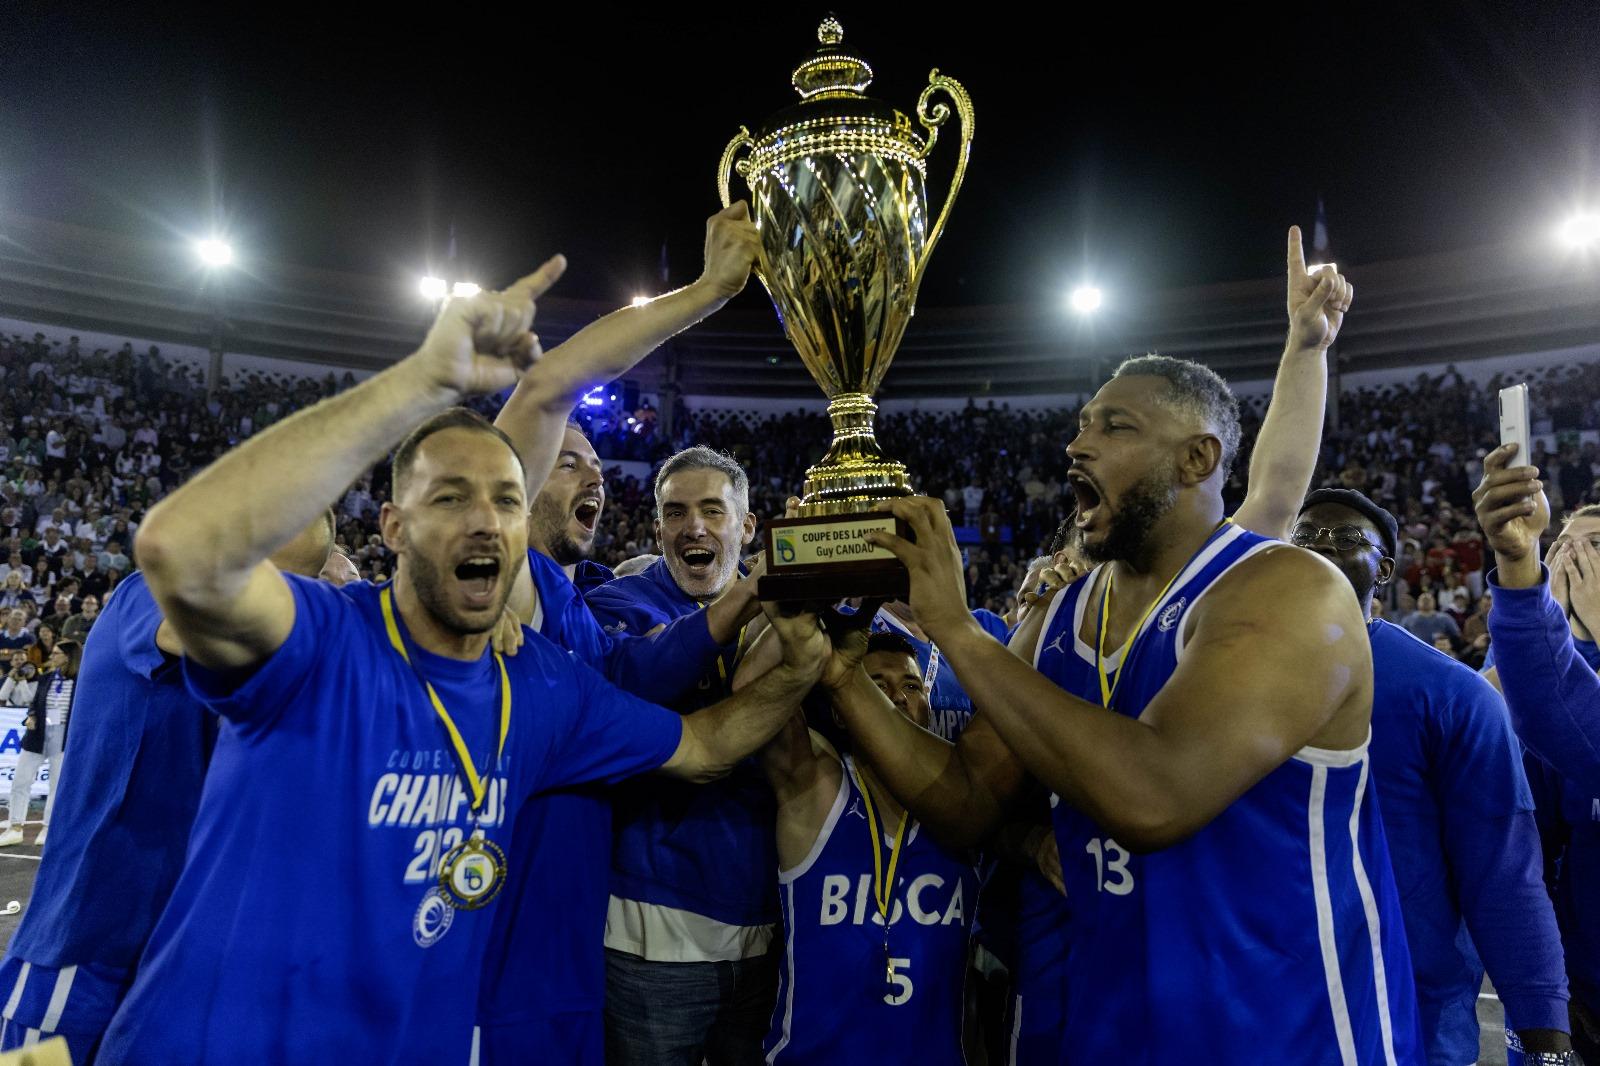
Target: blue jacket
(1464, 844)
(1554, 697)
(707, 849)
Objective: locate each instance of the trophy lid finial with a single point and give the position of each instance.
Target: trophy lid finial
(829, 71)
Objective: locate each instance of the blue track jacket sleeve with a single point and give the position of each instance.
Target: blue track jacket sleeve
(1553, 695)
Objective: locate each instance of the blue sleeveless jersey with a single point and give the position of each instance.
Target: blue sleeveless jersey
(1274, 933)
(951, 706)
(836, 1002)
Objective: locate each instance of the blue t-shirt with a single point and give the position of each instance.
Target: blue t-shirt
(140, 744)
(1458, 814)
(308, 923)
(707, 849)
(545, 953)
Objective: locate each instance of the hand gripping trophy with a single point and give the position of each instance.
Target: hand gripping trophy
(837, 188)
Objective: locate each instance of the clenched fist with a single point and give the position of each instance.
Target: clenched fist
(732, 244)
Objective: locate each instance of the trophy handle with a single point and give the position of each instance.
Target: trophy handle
(740, 140)
(932, 118)
(742, 167)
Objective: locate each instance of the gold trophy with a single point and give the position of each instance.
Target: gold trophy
(836, 185)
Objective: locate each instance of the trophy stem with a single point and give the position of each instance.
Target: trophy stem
(855, 473)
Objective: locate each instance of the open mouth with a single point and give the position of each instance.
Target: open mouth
(587, 513)
(698, 558)
(1087, 496)
(479, 574)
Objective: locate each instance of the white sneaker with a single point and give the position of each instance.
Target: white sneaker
(9, 837)
(38, 840)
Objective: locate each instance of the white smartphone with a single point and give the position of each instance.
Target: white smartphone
(1514, 422)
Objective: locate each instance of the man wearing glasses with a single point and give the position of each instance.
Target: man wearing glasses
(1456, 809)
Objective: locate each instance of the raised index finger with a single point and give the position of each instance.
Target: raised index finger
(536, 284)
(1297, 256)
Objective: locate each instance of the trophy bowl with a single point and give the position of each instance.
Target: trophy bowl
(838, 193)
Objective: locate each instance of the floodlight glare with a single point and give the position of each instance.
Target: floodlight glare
(1087, 299)
(639, 301)
(1581, 230)
(213, 252)
(465, 289)
(433, 288)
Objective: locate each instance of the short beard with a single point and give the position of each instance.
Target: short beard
(428, 583)
(550, 530)
(1143, 505)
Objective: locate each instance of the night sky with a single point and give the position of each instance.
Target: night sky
(1146, 148)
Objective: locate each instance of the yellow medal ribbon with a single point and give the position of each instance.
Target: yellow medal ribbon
(1108, 688)
(478, 784)
(738, 643)
(882, 889)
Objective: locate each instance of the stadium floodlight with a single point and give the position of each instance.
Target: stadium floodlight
(640, 301)
(214, 252)
(1086, 299)
(465, 289)
(433, 288)
(1581, 230)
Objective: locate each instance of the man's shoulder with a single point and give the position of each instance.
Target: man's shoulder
(1271, 567)
(643, 593)
(1405, 662)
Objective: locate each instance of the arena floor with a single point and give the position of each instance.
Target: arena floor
(19, 864)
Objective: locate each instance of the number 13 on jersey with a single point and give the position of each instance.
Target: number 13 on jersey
(1111, 873)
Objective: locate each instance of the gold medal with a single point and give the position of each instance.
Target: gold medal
(472, 873)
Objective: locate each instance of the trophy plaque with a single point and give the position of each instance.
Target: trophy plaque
(837, 192)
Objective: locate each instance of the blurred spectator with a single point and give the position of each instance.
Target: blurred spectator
(77, 627)
(16, 636)
(1427, 624)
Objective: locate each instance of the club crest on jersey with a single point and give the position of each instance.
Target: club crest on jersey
(432, 920)
(1171, 613)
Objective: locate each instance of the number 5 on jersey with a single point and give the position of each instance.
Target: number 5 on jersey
(1111, 873)
(899, 982)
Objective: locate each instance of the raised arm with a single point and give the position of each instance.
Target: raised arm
(1553, 695)
(205, 548)
(536, 413)
(1285, 453)
(1278, 660)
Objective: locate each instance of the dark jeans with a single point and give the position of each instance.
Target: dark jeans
(686, 1013)
(1585, 1031)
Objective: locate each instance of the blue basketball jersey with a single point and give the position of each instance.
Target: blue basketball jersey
(951, 706)
(308, 923)
(1272, 934)
(837, 1003)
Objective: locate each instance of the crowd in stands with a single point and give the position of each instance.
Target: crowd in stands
(89, 440)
